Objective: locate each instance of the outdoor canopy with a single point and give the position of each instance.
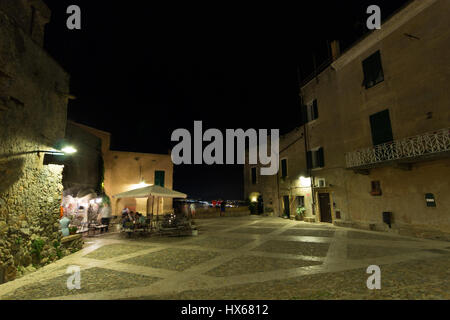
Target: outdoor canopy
(156, 191)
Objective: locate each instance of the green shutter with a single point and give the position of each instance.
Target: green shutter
(284, 168)
(380, 125)
(159, 178)
(315, 110)
(304, 113)
(320, 158)
(253, 175)
(309, 160)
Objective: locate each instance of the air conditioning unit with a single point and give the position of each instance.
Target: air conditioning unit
(320, 183)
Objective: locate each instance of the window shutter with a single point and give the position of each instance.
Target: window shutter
(320, 158)
(159, 178)
(373, 70)
(315, 110)
(284, 168)
(253, 175)
(309, 160)
(304, 113)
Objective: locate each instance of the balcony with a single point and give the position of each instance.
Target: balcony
(427, 146)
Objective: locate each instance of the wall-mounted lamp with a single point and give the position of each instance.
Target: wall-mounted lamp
(68, 150)
(305, 182)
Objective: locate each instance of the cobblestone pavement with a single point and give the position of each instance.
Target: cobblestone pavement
(247, 258)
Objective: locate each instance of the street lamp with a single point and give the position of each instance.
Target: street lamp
(68, 150)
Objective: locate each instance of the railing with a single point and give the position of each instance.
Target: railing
(417, 146)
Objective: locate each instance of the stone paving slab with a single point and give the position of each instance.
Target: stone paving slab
(269, 225)
(219, 242)
(254, 230)
(252, 264)
(308, 232)
(295, 247)
(374, 236)
(92, 280)
(114, 250)
(304, 225)
(357, 251)
(172, 259)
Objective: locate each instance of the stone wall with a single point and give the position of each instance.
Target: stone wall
(27, 216)
(33, 110)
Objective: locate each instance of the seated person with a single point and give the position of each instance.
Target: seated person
(132, 216)
(125, 220)
(141, 219)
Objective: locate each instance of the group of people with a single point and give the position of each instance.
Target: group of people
(135, 218)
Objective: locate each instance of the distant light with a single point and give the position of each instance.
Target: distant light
(69, 150)
(254, 199)
(305, 182)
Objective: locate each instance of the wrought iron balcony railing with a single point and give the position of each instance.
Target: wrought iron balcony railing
(409, 148)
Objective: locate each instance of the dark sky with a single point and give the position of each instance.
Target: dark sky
(141, 69)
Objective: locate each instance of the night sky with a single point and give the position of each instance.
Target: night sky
(141, 69)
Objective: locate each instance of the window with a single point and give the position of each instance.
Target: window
(253, 173)
(376, 188)
(300, 201)
(429, 199)
(310, 112)
(284, 172)
(380, 125)
(315, 159)
(159, 178)
(373, 70)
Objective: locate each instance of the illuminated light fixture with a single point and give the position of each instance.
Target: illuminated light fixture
(142, 184)
(305, 182)
(69, 150)
(254, 199)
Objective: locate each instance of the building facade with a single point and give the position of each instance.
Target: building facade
(34, 92)
(377, 131)
(124, 171)
(282, 194)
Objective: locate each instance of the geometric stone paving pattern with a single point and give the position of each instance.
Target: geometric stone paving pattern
(247, 258)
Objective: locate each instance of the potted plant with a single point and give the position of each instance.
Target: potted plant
(300, 213)
(73, 230)
(253, 208)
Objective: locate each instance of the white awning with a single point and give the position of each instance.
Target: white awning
(150, 191)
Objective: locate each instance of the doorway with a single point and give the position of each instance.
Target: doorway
(325, 207)
(380, 125)
(287, 211)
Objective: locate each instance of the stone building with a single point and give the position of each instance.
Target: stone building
(82, 172)
(378, 122)
(282, 194)
(33, 105)
(125, 171)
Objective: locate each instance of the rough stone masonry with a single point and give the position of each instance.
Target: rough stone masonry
(33, 112)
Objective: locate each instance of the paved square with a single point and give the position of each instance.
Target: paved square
(247, 258)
